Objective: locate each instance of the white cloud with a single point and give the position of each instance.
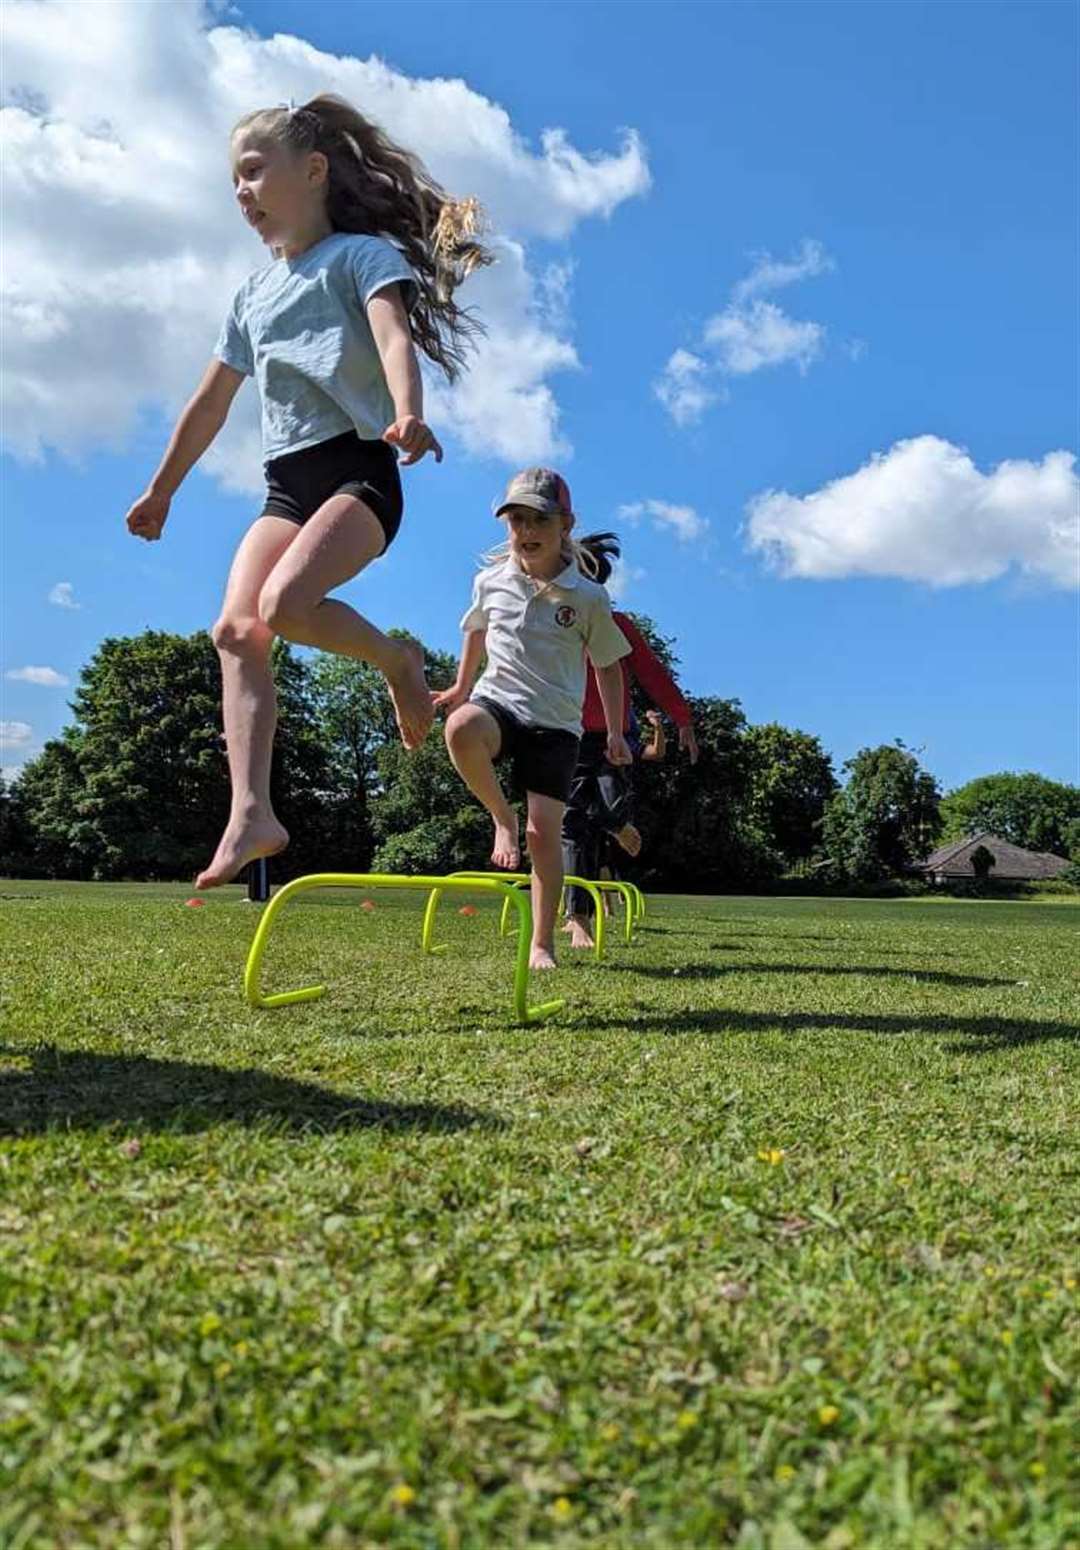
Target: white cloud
(15, 734)
(922, 511)
(63, 595)
(749, 334)
(683, 521)
(748, 338)
(118, 132)
(681, 387)
(771, 274)
(623, 578)
(48, 677)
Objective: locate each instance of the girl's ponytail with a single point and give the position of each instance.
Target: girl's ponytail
(595, 553)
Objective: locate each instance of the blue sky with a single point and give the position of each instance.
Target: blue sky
(849, 230)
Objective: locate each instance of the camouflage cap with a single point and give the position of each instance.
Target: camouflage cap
(541, 489)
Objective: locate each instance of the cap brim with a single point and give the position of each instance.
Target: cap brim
(534, 503)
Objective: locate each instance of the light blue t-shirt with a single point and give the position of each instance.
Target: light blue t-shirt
(299, 327)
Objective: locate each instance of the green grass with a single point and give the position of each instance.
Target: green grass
(382, 1270)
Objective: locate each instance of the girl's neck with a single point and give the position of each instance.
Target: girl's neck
(297, 244)
(545, 570)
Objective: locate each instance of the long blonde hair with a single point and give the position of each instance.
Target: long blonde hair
(376, 187)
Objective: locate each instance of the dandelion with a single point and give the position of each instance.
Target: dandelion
(403, 1495)
(784, 1473)
(771, 1155)
(209, 1324)
(828, 1414)
(686, 1420)
(562, 1509)
(1037, 1470)
(241, 1348)
(1007, 1337)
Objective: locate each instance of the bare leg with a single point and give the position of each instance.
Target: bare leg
(249, 704)
(473, 740)
(342, 538)
(544, 834)
(580, 934)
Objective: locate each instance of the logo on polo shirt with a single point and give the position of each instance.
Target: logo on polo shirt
(565, 616)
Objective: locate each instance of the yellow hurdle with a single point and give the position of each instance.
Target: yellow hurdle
(511, 894)
(518, 881)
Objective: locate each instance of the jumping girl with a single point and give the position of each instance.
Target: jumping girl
(536, 613)
(367, 253)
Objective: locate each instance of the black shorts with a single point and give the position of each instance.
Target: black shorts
(542, 759)
(298, 483)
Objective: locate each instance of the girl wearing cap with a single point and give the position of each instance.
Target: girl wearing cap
(535, 613)
(367, 251)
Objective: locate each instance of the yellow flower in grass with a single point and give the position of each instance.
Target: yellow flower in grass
(1037, 1470)
(1007, 1337)
(562, 1509)
(771, 1155)
(686, 1419)
(828, 1414)
(209, 1324)
(611, 1432)
(403, 1495)
(784, 1473)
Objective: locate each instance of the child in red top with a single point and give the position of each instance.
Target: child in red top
(601, 797)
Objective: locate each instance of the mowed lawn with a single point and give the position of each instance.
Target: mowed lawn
(768, 1240)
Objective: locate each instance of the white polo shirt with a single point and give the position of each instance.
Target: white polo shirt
(536, 637)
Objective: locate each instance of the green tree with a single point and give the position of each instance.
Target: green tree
(139, 786)
(55, 837)
(790, 784)
(693, 817)
(1026, 809)
(885, 818)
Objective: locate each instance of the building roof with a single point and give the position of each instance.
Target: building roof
(1011, 861)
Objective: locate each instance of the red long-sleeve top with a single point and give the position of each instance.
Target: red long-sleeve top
(650, 673)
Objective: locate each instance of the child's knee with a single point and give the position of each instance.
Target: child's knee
(543, 834)
(277, 607)
(240, 635)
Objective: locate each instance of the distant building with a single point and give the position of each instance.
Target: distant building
(1012, 864)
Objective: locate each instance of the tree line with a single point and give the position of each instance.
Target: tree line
(136, 787)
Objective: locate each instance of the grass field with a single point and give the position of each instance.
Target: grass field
(768, 1240)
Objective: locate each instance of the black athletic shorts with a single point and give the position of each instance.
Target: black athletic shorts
(542, 759)
(298, 483)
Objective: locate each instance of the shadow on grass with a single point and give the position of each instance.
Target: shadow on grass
(709, 971)
(80, 1090)
(979, 1035)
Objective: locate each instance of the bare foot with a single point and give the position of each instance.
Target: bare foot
(579, 935)
(240, 844)
(411, 696)
(507, 851)
(542, 957)
(629, 838)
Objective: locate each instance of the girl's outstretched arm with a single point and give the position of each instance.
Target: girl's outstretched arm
(390, 330)
(472, 650)
(202, 417)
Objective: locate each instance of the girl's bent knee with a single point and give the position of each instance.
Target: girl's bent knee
(240, 635)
